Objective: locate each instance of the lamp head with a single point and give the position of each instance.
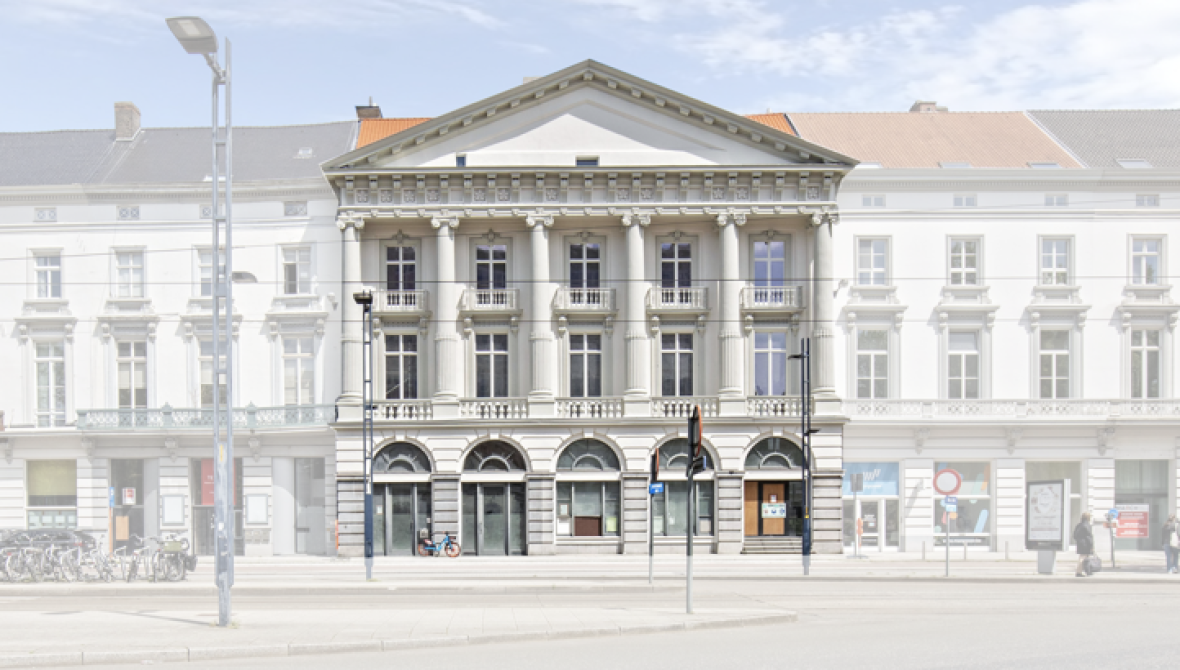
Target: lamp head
(363, 298)
(194, 34)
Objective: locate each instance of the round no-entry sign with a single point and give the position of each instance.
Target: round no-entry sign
(947, 482)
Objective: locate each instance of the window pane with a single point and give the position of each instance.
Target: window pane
(501, 376)
(668, 374)
(594, 376)
(483, 377)
(577, 375)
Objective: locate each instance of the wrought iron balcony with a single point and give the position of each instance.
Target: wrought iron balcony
(201, 418)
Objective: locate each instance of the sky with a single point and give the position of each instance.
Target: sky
(312, 61)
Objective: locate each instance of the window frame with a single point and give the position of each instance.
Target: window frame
(948, 377)
(56, 416)
(283, 264)
(679, 354)
(1070, 256)
(401, 263)
(887, 255)
(1144, 349)
(1161, 269)
(694, 251)
(402, 356)
(965, 200)
(1147, 199)
(491, 334)
(298, 357)
(125, 291)
(950, 270)
(498, 240)
(875, 200)
(1056, 200)
(199, 265)
(873, 377)
(1071, 382)
(53, 282)
(201, 359)
(770, 352)
(587, 355)
(134, 362)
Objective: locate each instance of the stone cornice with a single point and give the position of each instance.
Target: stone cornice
(1012, 180)
(309, 189)
(812, 208)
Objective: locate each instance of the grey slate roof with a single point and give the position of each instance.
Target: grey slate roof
(167, 155)
(1100, 137)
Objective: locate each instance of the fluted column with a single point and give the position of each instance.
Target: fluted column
(448, 350)
(351, 329)
(638, 393)
(732, 393)
(540, 316)
(823, 310)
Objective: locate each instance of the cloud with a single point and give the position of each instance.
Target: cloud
(1087, 53)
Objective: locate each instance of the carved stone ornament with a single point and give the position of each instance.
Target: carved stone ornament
(532, 221)
(88, 447)
(920, 436)
(346, 219)
(6, 447)
(1012, 436)
(255, 445)
(172, 445)
(1105, 437)
(440, 221)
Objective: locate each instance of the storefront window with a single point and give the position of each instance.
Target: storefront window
(878, 501)
(1045, 471)
(1143, 483)
(588, 508)
(970, 524)
(53, 494)
(671, 508)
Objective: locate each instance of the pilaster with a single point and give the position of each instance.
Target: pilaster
(636, 512)
(540, 492)
(730, 531)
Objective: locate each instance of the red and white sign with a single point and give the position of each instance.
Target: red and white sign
(128, 496)
(947, 482)
(1133, 521)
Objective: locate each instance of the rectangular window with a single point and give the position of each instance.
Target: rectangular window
(871, 261)
(964, 262)
(205, 269)
(491, 365)
(586, 161)
(872, 200)
(297, 271)
(48, 269)
(401, 268)
(401, 367)
(52, 493)
(1145, 261)
(588, 509)
(675, 265)
(770, 363)
(1147, 200)
(585, 265)
(965, 200)
(205, 362)
(132, 362)
(872, 364)
(1145, 364)
(770, 263)
(491, 266)
(585, 366)
(460, 160)
(51, 384)
(963, 366)
(1055, 262)
(298, 370)
(1056, 200)
(676, 364)
(128, 274)
(1054, 371)
(670, 509)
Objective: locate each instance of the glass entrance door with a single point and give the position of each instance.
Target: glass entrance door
(773, 509)
(400, 512)
(881, 523)
(494, 519)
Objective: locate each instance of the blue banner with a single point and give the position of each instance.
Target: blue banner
(880, 478)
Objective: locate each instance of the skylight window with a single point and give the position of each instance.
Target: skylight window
(586, 161)
(1043, 165)
(304, 152)
(956, 165)
(1133, 163)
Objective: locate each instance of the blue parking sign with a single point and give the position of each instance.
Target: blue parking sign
(655, 488)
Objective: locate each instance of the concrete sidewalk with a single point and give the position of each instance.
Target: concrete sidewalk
(89, 638)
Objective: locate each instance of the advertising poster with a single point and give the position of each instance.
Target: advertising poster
(1133, 521)
(1047, 515)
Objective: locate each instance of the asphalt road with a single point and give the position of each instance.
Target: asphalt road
(1083, 623)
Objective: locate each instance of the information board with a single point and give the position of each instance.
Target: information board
(1047, 515)
(774, 510)
(1134, 521)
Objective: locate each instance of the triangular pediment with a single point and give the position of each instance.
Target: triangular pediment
(588, 110)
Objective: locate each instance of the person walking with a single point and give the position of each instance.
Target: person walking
(1083, 537)
(1171, 533)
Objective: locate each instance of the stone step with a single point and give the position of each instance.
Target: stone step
(772, 545)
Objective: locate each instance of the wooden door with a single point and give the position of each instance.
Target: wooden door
(751, 508)
(774, 492)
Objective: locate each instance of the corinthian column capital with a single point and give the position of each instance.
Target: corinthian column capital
(545, 220)
(636, 218)
(346, 219)
(449, 221)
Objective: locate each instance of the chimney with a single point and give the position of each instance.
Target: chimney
(126, 121)
(369, 111)
(926, 107)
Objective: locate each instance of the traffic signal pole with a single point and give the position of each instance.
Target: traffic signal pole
(696, 463)
(804, 357)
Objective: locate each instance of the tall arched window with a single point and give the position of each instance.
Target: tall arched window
(494, 456)
(670, 508)
(774, 453)
(588, 508)
(400, 458)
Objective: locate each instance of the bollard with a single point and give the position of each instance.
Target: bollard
(964, 550)
(1006, 551)
(923, 550)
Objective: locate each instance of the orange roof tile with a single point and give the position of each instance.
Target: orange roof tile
(925, 140)
(378, 129)
(778, 121)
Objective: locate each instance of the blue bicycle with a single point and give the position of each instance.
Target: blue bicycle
(427, 547)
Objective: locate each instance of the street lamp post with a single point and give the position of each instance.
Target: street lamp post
(805, 433)
(364, 298)
(195, 35)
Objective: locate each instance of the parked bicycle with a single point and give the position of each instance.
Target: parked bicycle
(427, 547)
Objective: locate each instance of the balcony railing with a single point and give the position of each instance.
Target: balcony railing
(589, 408)
(494, 408)
(772, 298)
(402, 410)
(681, 407)
(776, 407)
(386, 301)
(170, 418)
(687, 299)
(491, 300)
(584, 300)
(1013, 409)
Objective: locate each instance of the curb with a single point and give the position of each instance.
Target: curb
(173, 655)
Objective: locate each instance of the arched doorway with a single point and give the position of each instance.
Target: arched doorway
(401, 498)
(494, 500)
(773, 497)
(670, 508)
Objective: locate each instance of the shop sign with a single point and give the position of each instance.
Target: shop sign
(877, 479)
(129, 496)
(774, 510)
(1133, 521)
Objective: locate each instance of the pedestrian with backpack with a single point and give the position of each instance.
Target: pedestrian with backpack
(1171, 533)
(1083, 537)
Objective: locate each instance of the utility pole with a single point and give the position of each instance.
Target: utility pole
(805, 432)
